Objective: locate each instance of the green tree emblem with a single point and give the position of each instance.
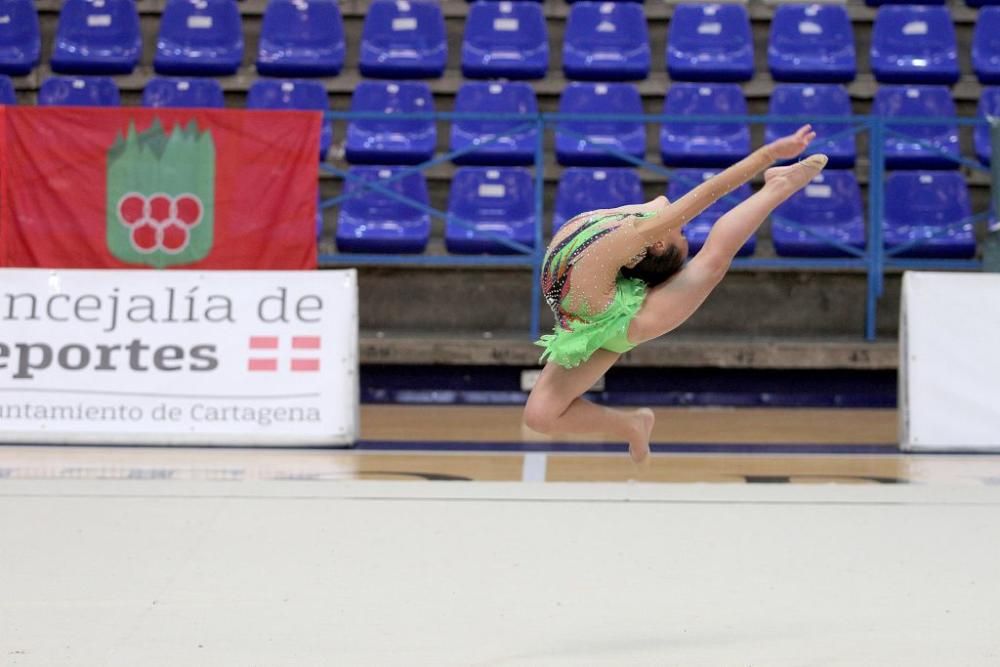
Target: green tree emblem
(161, 195)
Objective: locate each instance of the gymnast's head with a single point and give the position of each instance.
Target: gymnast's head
(663, 260)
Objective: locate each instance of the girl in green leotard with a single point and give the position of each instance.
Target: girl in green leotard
(580, 328)
(616, 278)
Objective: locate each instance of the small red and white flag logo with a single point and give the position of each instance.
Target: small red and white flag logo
(266, 352)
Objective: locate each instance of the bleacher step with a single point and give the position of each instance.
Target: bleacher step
(671, 351)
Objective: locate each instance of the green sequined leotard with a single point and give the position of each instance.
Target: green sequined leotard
(579, 333)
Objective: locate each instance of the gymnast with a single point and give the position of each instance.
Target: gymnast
(616, 278)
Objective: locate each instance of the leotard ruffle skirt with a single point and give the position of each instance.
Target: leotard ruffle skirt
(607, 330)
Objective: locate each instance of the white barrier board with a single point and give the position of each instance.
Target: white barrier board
(178, 357)
(949, 366)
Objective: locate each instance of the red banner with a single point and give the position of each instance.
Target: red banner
(163, 188)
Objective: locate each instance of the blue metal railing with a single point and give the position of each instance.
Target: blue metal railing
(874, 259)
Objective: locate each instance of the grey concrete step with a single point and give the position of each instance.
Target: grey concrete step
(750, 302)
(677, 351)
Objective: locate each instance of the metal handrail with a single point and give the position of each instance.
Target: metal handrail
(875, 259)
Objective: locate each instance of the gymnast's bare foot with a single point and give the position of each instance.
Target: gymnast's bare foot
(797, 175)
(638, 445)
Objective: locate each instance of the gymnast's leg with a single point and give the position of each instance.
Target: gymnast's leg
(556, 406)
(668, 305)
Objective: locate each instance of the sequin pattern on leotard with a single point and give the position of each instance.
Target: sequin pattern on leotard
(557, 268)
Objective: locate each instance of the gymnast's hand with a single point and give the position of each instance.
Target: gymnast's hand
(791, 146)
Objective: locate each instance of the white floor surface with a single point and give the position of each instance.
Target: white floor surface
(144, 573)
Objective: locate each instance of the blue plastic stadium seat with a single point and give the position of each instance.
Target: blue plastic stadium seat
(590, 149)
(989, 105)
(20, 40)
(494, 97)
(812, 43)
(179, 92)
(986, 46)
(905, 152)
(829, 206)
(7, 94)
(822, 99)
(385, 140)
(373, 221)
(877, 3)
(918, 204)
(696, 231)
(79, 91)
(606, 41)
(301, 94)
(582, 189)
(710, 42)
(914, 44)
(301, 38)
(704, 144)
(505, 40)
(199, 37)
(403, 39)
(97, 37)
(496, 202)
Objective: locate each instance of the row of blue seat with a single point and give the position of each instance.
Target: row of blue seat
(970, 3)
(872, 3)
(406, 39)
(807, 43)
(607, 142)
(486, 203)
(196, 37)
(580, 143)
(707, 42)
(182, 92)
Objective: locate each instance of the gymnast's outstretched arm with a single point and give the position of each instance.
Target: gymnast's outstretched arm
(685, 209)
(633, 234)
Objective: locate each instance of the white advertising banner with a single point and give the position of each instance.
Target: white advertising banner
(949, 365)
(178, 357)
